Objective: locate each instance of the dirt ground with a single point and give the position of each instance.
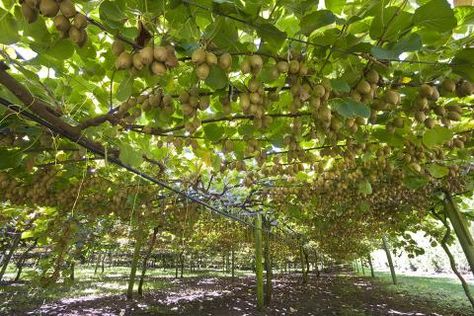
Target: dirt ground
(327, 295)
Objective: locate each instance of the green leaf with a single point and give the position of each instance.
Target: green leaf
(389, 23)
(130, 155)
(437, 136)
(463, 63)
(335, 6)
(125, 89)
(9, 158)
(63, 49)
(340, 85)
(438, 171)
(347, 107)
(270, 34)
(415, 182)
(315, 20)
(217, 78)
(365, 187)
(111, 10)
(213, 131)
(8, 28)
(436, 15)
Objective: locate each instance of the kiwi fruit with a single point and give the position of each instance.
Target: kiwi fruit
(211, 58)
(245, 67)
(448, 85)
(202, 71)
(372, 76)
(392, 97)
(455, 108)
(49, 8)
(426, 90)
(198, 56)
(363, 87)
(245, 100)
(137, 61)
(80, 21)
(75, 35)
(146, 55)
(158, 68)
(32, 3)
(256, 62)
(420, 116)
(225, 61)
(30, 13)
(61, 23)
(283, 66)
(160, 53)
(67, 8)
(294, 67)
(454, 116)
(464, 89)
(398, 122)
(118, 47)
(124, 61)
(429, 123)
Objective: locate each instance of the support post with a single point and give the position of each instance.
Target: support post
(6, 261)
(133, 270)
(461, 228)
(268, 264)
(362, 266)
(369, 259)
(258, 261)
(303, 265)
(389, 259)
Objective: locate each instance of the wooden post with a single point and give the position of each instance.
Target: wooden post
(258, 261)
(6, 261)
(389, 259)
(461, 229)
(362, 266)
(369, 259)
(268, 264)
(133, 270)
(233, 263)
(303, 265)
(145, 261)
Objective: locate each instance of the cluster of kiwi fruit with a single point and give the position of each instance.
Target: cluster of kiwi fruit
(192, 101)
(66, 19)
(204, 60)
(133, 108)
(158, 59)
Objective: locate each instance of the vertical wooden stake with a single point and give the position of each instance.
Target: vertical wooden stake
(389, 259)
(258, 261)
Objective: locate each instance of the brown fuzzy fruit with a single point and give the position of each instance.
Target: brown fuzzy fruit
(146, 55)
(430, 123)
(454, 116)
(67, 8)
(363, 87)
(372, 76)
(202, 71)
(160, 53)
(392, 97)
(124, 61)
(199, 56)
(117, 47)
(256, 62)
(211, 58)
(137, 61)
(283, 67)
(29, 13)
(75, 35)
(426, 90)
(448, 85)
(32, 3)
(294, 67)
(61, 23)
(80, 21)
(465, 89)
(158, 68)
(49, 8)
(225, 61)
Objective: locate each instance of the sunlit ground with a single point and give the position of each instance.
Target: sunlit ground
(97, 294)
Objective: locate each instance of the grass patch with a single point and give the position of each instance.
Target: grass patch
(442, 292)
